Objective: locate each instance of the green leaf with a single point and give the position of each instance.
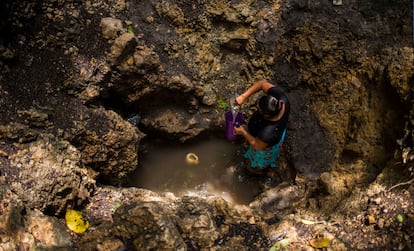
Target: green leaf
(116, 206)
(281, 245)
(221, 104)
(400, 218)
(131, 30)
(307, 222)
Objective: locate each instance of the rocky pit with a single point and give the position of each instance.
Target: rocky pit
(73, 72)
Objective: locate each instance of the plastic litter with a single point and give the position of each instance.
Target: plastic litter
(337, 2)
(134, 119)
(191, 159)
(75, 221)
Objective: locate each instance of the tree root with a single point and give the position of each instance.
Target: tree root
(401, 184)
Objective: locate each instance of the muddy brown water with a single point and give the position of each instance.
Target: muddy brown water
(163, 168)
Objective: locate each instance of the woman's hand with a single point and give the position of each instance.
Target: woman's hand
(238, 130)
(240, 99)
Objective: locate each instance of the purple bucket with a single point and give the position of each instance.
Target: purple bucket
(231, 123)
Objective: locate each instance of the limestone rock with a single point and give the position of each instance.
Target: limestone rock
(108, 143)
(48, 231)
(400, 70)
(140, 219)
(46, 175)
(111, 27)
(123, 46)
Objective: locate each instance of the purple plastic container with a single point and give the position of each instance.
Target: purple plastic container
(231, 123)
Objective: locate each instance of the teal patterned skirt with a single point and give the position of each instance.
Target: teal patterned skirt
(261, 159)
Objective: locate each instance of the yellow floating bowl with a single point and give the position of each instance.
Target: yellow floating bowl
(191, 159)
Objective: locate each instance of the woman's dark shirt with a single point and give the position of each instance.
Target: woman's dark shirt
(267, 131)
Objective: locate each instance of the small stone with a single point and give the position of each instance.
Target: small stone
(377, 200)
(381, 223)
(371, 219)
(7, 54)
(150, 19)
(111, 27)
(3, 153)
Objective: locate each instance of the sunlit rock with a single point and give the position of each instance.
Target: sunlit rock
(49, 231)
(46, 175)
(111, 27)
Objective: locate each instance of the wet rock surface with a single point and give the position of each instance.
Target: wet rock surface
(72, 73)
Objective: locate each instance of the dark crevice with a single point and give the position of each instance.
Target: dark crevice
(148, 104)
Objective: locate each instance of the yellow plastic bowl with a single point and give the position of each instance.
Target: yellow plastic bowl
(191, 159)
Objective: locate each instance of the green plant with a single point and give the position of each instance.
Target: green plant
(281, 245)
(400, 218)
(131, 30)
(117, 205)
(222, 105)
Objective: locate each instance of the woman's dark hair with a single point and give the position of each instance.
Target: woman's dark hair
(269, 105)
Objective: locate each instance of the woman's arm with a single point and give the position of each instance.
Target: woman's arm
(263, 85)
(256, 143)
(259, 85)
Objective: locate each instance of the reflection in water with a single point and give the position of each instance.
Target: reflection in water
(164, 169)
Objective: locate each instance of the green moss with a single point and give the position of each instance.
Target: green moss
(222, 105)
(131, 30)
(400, 218)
